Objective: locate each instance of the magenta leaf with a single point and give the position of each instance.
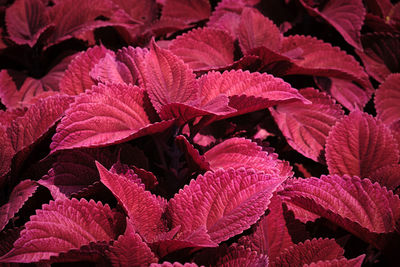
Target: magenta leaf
(108, 69)
(311, 251)
(306, 127)
(168, 78)
(60, 226)
(360, 207)
(75, 170)
(106, 114)
(387, 99)
(76, 78)
(359, 144)
(343, 262)
(26, 20)
(255, 31)
(388, 175)
(130, 249)
(7, 239)
(347, 17)
(193, 157)
(6, 152)
(204, 48)
(186, 10)
(37, 121)
(240, 256)
(226, 202)
(240, 152)
(144, 209)
(20, 194)
(271, 235)
(247, 91)
(174, 264)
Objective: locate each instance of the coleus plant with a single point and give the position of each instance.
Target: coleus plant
(191, 133)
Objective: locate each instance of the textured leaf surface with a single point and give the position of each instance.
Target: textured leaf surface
(130, 250)
(243, 88)
(168, 78)
(343, 262)
(6, 152)
(76, 78)
(204, 48)
(239, 256)
(311, 251)
(187, 10)
(388, 176)
(306, 127)
(26, 20)
(240, 152)
(60, 226)
(347, 17)
(20, 194)
(255, 30)
(271, 235)
(37, 121)
(387, 99)
(144, 209)
(107, 114)
(111, 70)
(348, 201)
(359, 144)
(226, 202)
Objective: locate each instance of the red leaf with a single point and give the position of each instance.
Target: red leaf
(204, 48)
(37, 121)
(186, 10)
(20, 194)
(306, 127)
(60, 226)
(76, 78)
(388, 175)
(255, 30)
(387, 99)
(110, 70)
(356, 262)
(175, 264)
(168, 78)
(358, 145)
(6, 153)
(347, 17)
(311, 251)
(242, 87)
(26, 20)
(130, 249)
(194, 159)
(144, 209)
(240, 152)
(226, 202)
(239, 256)
(107, 114)
(271, 234)
(360, 207)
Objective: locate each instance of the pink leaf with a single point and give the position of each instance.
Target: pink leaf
(347, 17)
(60, 226)
(175, 264)
(75, 170)
(271, 234)
(255, 30)
(204, 48)
(360, 207)
(240, 152)
(37, 121)
(194, 159)
(239, 256)
(20, 194)
(311, 251)
(358, 145)
(70, 19)
(168, 79)
(130, 249)
(76, 78)
(306, 127)
(187, 10)
(6, 152)
(26, 20)
(388, 176)
(108, 69)
(243, 87)
(143, 208)
(133, 58)
(343, 262)
(226, 202)
(107, 114)
(387, 99)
